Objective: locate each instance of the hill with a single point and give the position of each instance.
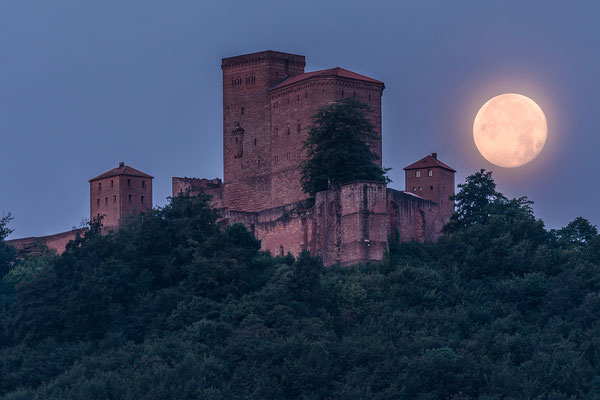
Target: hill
(174, 307)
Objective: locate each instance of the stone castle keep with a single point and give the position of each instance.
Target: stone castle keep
(268, 102)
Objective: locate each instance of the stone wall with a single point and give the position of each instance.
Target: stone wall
(195, 186)
(57, 242)
(346, 225)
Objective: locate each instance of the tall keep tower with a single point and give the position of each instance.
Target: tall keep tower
(120, 192)
(247, 125)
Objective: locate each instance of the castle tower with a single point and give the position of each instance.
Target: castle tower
(247, 125)
(293, 104)
(120, 192)
(431, 179)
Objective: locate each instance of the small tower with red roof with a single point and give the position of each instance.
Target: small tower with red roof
(433, 180)
(120, 192)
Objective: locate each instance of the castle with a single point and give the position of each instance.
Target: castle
(268, 103)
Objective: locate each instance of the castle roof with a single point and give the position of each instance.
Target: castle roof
(430, 161)
(325, 73)
(122, 169)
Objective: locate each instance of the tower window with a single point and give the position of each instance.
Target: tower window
(288, 129)
(418, 174)
(243, 111)
(143, 184)
(430, 187)
(342, 93)
(130, 198)
(414, 188)
(297, 97)
(253, 79)
(114, 198)
(106, 201)
(369, 97)
(142, 199)
(420, 188)
(112, 183)
(298, 126)
(323, 92)
(128, 182)
(99, 185)
(429, 172)
(255, 141)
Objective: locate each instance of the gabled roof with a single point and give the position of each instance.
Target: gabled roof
(122, 169)
(331, 72)
(429, 162)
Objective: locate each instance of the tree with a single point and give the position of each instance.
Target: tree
(338, 149)
(7, 252)
(473, 201)
(579, 232)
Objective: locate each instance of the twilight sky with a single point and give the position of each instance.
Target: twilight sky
(84, 85)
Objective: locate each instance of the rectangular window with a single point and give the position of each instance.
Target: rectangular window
(142, 199)
(130, 198)
(128, 182)
(429, 172)
(418, 174)
(114, 198)
(420, 188)
(414, 188)
(99, 185)
(98, 202)
(143, 184)
(106, 201)
(430, 187)
(112, 183)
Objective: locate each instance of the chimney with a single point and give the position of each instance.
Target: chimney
(434, 155)
(121, 164)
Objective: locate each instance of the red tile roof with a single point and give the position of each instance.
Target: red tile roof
(122, 170)
(331, 72)
(429, 162)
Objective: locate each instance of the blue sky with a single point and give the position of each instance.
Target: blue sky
(84, 85)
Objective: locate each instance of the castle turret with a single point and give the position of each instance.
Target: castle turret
(431, 179)
(120, 192)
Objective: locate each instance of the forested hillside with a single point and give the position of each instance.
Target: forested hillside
(175, 307)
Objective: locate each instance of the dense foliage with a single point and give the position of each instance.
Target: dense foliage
(174, 307)
(338, 147)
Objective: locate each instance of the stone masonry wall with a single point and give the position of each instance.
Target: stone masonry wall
(195, 186)
(57, 242)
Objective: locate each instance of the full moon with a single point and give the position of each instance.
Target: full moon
(510, 130)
